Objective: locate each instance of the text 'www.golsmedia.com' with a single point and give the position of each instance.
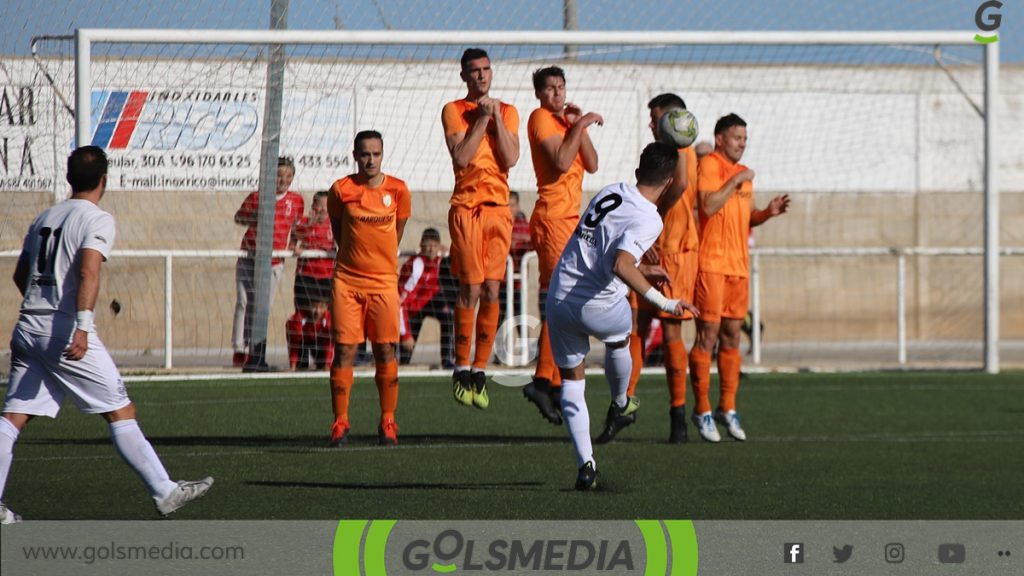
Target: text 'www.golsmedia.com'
(119, 552)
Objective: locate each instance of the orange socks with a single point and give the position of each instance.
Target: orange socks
(486, 327)
(464, 319)
(545, 360)
(341, 385)
(675, 372)
(729, 375)
(636, 351)
(387, 387)
(700, 379)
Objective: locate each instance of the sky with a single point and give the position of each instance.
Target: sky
(20, 20)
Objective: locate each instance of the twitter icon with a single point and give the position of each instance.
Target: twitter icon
(842, 554)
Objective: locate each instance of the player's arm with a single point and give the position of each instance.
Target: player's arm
(713, 200)
(462, 146)
(676, 188)
(88, 291)
(778, 205)
(506, 146)
(21, 271)
(562, 152)
(626, 269)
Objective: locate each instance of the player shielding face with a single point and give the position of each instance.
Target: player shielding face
(561, 150)
(727, 212)
(481, 136)
(588, 293)
(55, 350)
(368, 212)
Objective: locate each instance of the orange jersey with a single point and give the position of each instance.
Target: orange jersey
(558, 193)
(366, 220)
(723, 237)
(483, 180)
(680, 232)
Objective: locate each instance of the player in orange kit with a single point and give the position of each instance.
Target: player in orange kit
(482, 138)
(368, 212)
(676, 252)
(725, 192)
(561, 150)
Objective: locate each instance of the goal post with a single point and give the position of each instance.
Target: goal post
(374, 46)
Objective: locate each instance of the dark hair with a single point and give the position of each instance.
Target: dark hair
(367, 135)
(321, 194)
(513, 194)
(472, 54)
(666, 101)
(728, 121)
(540, 76)
(286, 161)
(86, 166)
(657, 163)
(431, 234)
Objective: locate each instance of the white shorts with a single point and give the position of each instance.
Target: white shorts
(571, 325)
(41, 377)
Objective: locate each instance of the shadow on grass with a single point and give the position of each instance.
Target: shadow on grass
(399, 485)
(309, 441)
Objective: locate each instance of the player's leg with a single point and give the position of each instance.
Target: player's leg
(729, 357)
(676, 362)
(546, 237)
(708, 298)
(496, 240)
(347, 316)
(467, 266)
(11, 426)
(382, 329)
(637, 337)
(570, 344)
(613, 325)
(241, 325)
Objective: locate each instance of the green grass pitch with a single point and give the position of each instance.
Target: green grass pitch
(822, 446)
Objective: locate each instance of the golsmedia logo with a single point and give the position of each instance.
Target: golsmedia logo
(988, 19)
(173, 120)
(390, 547)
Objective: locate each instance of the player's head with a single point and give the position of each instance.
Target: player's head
(87, 169)
(368, 152)
(476, 71)
(731, 136)
(318, 208)
(430, 243)
(549, 87)
(659, 105)
(285, 174)
(657, 165)
(513, 203)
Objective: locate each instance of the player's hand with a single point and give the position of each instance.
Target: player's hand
(78, 347)
(683, 306)
(779, 205)
(572, 113)
(654, 274)
(591, 118)
(487, 106)
(651, 256)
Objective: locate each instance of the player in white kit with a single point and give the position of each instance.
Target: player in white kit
(589, 288)
(55, 351)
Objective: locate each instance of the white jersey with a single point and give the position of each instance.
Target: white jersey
(51, 250)
(618, 218)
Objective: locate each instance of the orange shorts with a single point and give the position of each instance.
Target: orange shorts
(719, 296)
(481, 238)
(549, 237)
(357, 315)
(682, 275)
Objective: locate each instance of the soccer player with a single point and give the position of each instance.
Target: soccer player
(421, 296)
(727, 211)
(288, 209)
(587, 296)
(676, 250)
(55, 351)
(368, 212)
(481, 133)
(561, 150)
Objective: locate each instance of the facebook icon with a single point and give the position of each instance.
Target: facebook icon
(793, 553)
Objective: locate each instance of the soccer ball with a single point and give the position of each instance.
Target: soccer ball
(677, 127)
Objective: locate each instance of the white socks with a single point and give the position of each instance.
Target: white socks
(8, 436)
(139, 454)
(577, 419)
(618, 364)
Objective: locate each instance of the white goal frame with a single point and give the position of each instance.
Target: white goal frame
(84, 38)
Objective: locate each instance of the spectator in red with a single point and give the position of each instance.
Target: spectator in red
(313, 275)
(421, 295)
(309, 336)
(288, 210)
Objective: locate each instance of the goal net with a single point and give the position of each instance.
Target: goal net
(880, 144)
